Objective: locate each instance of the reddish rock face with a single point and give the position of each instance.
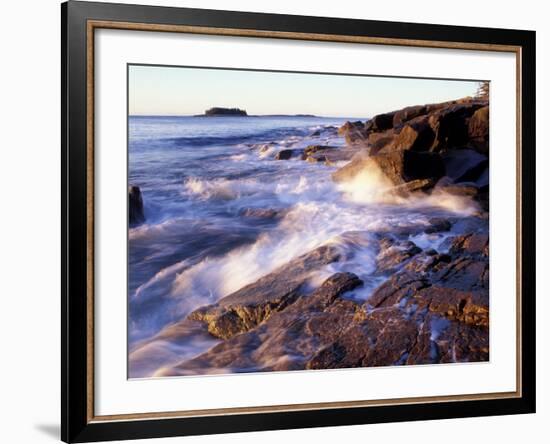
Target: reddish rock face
(434, 310)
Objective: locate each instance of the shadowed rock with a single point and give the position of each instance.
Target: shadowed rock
(380, 122)
(478, 130)
(416, 135)
(450, 125)
(136, 215)
(284, 154)
(398, 166)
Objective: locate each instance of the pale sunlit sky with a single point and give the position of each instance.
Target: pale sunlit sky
(157, 90)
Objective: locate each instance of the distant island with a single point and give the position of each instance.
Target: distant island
(218, 111)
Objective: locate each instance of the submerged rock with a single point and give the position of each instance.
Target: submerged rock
(136, 214)
(284, 154)
(262, 213)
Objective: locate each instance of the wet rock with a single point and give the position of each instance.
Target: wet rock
(313, 149)
(318, 153)
(435, 309)
(136, 214)
(470, 307)
(461, 189)
(284, 154)
(353, 132)
(262, 213)
(393, 255)
(462, 342)
(381, 141)
(382, 338)
(256, 302)
(450, 125)
(471, 244)
(413, 186)
(316, 158)
(438, 224)
(398, 166)
(288, 339)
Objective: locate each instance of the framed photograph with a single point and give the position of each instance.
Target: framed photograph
(275, 221)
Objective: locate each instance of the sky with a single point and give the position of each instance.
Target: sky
(161, 90)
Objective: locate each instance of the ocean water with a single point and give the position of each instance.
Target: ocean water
(198, 178)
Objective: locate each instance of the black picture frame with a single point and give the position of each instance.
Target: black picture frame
(76, 423)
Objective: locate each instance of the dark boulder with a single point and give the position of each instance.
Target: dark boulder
(380, 122)
(464, 165)
(438, 224)
(136, 214)
(450, 125)
(416, 135)
(284, 154)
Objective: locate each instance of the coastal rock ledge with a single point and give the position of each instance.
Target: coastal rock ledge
(445, 141)
(421, 302)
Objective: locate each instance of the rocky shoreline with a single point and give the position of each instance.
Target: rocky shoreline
(424, 307)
